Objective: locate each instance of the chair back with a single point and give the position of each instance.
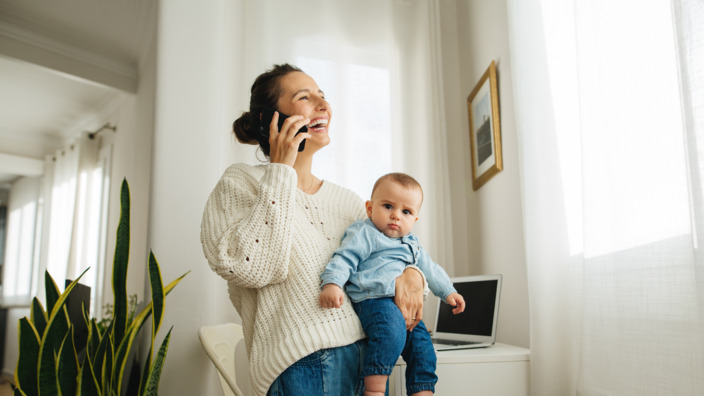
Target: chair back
(219, 342)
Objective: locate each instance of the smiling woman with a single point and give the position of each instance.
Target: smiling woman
(268, 231)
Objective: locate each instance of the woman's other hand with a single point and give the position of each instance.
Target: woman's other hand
(409, 297)
(284, 143)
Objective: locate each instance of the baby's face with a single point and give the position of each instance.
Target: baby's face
(394, 208)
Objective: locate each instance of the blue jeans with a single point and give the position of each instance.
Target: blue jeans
(388, 339)
(328, 372)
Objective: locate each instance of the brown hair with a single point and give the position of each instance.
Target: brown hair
(401, 178)
(265, 93)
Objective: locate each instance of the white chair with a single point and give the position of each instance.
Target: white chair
(219, 342)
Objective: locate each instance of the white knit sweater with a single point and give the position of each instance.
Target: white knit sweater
(271, 242)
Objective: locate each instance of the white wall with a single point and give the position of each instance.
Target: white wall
(196, 66)
(131, 160)
(490, 239)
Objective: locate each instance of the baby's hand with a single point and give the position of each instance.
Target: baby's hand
(457, 301)
(331, 296)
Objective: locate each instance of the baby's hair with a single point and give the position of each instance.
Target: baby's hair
(403, 179)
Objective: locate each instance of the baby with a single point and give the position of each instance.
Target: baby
(373, 253)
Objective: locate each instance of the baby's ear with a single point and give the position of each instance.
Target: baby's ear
(368, 206)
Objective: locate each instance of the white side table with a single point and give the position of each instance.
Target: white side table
(501, 370)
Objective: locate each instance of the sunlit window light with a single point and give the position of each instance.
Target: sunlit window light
(62, 211)
(630, 187)
(20, 253)
(360, 97)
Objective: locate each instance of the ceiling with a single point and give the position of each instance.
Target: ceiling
(61, 63)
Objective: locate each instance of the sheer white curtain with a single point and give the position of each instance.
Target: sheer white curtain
(612, 194)
(73, 240)
(374, 61)
(23, 217)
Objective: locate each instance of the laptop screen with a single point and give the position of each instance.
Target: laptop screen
(478, 321)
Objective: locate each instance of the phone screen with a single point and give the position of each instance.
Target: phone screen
(267, 115)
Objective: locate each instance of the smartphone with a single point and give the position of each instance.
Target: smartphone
(267, 115)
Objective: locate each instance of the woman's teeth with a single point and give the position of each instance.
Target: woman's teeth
(318, 123)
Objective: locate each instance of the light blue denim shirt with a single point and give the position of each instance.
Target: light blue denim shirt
(368, 262)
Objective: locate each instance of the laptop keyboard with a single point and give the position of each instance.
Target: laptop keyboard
(453, 342)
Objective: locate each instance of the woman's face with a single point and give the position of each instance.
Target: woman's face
(300, 95)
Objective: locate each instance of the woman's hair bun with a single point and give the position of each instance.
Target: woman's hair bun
(243, 129)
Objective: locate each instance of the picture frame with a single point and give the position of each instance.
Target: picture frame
(485, 128)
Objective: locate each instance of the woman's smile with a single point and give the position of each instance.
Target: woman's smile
(318, 125)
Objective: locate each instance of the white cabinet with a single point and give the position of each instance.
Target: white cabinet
(500, 370)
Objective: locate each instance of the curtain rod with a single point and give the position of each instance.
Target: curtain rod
(102, 128)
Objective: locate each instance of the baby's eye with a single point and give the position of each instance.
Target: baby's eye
(387, 206)
(407, 212)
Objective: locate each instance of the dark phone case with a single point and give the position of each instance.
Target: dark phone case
(267, 115)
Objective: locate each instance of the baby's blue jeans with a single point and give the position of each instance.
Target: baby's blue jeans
(388, 339)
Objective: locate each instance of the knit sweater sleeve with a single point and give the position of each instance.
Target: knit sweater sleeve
(246, 231)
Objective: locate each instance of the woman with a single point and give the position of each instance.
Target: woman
(270, 229)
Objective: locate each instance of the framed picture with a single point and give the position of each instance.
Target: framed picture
(484, 128)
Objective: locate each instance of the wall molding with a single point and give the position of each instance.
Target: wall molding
(22, 166)
(55, 54)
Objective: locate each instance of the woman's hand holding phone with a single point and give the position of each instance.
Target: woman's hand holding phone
(284, 141)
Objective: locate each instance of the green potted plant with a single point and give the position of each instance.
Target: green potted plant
(50, 363)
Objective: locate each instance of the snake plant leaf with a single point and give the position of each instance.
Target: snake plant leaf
(86, 315)
(48, 383)
(53, 336)
(38, 316)
(18, 392)
(107, 367)
(56, 330)
(87, 382)
(60, 300)
(94, 338)
(26, 372)
(50, 345)
(157, 294)
(121, 356)
(67, 365)
(100, 357)
(152, 388)
(158, 301)
(141, 318)
(146, 370)
(52, 292)
(119, 270)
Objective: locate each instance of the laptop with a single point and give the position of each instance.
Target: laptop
(476, 326)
